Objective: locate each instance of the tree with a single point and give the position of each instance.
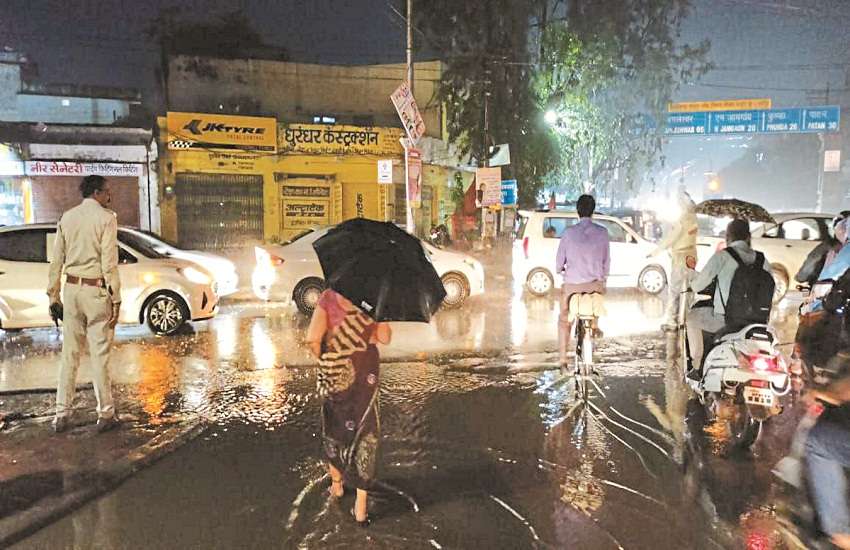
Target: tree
(605, 68)
(485, 86)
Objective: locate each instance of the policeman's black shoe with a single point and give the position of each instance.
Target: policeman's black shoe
(106, 424)
(60, 424)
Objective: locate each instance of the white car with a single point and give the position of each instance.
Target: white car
(221, 268)
(536, 247)
(292, 272)
(785, 244)
(163, 292)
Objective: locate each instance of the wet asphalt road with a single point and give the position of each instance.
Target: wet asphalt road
(468, 460)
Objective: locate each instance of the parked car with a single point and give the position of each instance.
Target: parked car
(221, 268)
(291, 272)
(536, 247)
(785, 244)
(158, 290)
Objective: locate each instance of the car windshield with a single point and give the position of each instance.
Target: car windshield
(143, 244)
(158, 239)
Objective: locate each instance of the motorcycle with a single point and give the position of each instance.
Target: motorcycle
(743, 377)
(823, 331)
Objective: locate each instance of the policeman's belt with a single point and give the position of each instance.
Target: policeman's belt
(100, 283)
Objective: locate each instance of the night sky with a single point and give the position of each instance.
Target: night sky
(789, 49)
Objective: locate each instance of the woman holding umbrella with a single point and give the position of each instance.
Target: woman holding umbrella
(344, 340)
(376, 273)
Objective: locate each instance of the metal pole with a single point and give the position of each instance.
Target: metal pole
(410, 45)
(821, 153)
(411, 222)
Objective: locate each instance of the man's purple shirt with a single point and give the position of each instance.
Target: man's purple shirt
(584, 253)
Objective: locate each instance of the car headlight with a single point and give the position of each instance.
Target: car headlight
(821, 289)
(195, 275)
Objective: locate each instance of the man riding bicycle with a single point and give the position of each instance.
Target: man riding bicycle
(584, 258)
(720, 273)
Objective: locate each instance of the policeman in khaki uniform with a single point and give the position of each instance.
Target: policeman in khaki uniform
(87, 248)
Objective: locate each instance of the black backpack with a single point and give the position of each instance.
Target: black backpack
(750, 294)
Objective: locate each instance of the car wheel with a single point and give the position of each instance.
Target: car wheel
(652, 280)
(539, 282)
(166, 313)
(457, 290)
(780, 277)
(306, 294)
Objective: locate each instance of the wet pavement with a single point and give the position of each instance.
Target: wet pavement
(491, 451)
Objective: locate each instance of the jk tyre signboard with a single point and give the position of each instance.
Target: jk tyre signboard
(214, 131)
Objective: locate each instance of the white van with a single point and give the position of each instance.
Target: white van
(536, 246)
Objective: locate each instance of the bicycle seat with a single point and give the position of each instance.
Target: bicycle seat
(586, 305)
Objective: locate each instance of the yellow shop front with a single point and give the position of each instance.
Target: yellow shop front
(218, 194)
(326, 174)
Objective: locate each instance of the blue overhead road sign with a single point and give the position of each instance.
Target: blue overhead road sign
(768, 121)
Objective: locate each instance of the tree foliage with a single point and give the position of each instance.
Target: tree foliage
(488, 67)
(601, 65)
(605, 69)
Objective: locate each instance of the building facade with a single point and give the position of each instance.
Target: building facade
(53, 136)
(261, 150)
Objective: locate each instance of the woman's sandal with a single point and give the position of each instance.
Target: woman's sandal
(365, 523)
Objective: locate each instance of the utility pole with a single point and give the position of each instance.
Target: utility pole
(410, 219)
(410, 45)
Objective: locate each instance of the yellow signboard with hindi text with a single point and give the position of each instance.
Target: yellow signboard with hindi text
(722, 105)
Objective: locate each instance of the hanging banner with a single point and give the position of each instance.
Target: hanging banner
(413, 161)
(408, 112)
(488, 184)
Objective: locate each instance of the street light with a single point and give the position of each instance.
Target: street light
(551, 118)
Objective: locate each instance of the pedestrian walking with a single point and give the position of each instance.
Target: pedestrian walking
(344, 340)
(681, 243)
(86, 253)
(376, 272)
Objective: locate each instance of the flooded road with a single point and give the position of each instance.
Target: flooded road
(468, 460)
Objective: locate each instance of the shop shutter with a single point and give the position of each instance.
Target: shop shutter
(219, 210)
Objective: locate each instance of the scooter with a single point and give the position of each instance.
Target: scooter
(824, 329)
(743, 376)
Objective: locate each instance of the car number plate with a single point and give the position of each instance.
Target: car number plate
(758, 396)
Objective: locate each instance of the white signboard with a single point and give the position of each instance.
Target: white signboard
(408, 112)
(832, 161)
(60, 168)
(488, 182)
(385, 171)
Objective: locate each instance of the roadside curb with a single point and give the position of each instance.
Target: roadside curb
(21, 525)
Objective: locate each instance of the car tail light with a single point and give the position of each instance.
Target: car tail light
(525, 247)
(264, 257)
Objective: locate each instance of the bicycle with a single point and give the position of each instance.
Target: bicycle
(588, 307)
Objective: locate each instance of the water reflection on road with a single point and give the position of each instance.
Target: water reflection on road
(469, 460)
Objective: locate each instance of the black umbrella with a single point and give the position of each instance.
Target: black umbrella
(734, 208)
(381, 269)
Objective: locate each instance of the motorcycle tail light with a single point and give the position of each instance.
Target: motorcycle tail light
(763, 363)
(525, 247)
(759, 383)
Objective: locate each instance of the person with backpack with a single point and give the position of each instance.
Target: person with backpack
(742, 286)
